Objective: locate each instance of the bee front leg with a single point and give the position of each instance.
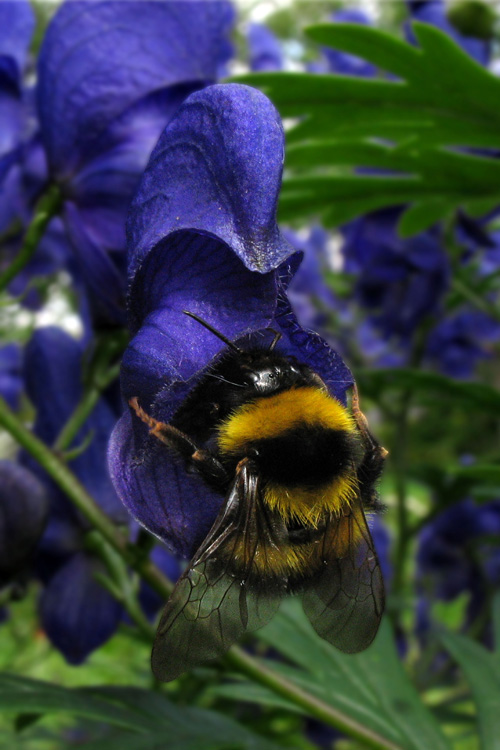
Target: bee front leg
(197, 458)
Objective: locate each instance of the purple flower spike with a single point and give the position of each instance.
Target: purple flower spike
(202, 237)
(77, 612)
(111, 75)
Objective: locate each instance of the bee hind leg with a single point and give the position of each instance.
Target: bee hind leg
(197, 458)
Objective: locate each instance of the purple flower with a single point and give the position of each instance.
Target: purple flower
(458, 343)
(434, 12)
(17, 24)
(23, 515)
(202, 237)
(400, 282)
(11, 380)
(457, 553)
(77, 613)
(264, 50)
(110, 76)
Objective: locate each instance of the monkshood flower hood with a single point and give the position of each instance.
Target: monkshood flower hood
(202, 237)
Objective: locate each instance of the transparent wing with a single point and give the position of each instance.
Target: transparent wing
(224, 593)
(344, 603)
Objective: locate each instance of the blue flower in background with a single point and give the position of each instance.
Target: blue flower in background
(17, 23)
(264, 49)
(399, 281)
(110, 76)
(11, 378)
(434, 12)
(77, 613)
(457, 344)
(202, 237)
(308, 291)
(23, 514)
(458, 552)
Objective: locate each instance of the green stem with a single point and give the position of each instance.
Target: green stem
(455, 254)
(475, 300)
(313, 706)
(238, 659)
(398, 453)
(84, 410)
(121, 586)
(47, 207)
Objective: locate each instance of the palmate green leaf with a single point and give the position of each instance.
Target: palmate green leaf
(371, 688)
(144, 718)
(415, 127)
(434, 181)
(482, 672)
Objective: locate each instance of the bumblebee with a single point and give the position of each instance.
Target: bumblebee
(298, 471)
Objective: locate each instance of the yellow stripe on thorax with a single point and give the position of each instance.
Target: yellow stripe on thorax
(271, 416)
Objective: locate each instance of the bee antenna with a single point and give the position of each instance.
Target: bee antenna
(214, 331)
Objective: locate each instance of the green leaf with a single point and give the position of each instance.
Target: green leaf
(247, 692)
(421, 216)
(421, 128)
(382, 49)
(146, 714)
(482, 673)
(484, 473)
(370, 687)
(22, 695)
(426, 385)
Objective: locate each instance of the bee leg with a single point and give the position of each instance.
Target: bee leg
(372, 464)
(197, 458)
(362, 424)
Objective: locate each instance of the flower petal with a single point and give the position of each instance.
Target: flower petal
(78, 613)
(216, 168)
(98, 58)
(23, 513)
(194, 272)
(175, 506)
(17, 23)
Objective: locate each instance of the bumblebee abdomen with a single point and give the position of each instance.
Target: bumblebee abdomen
(306, 447)
(306, 456)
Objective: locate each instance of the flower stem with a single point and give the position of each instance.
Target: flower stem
(313, 706)
(399, 456)
(84, 410)
(121, 585)
(47, 207)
